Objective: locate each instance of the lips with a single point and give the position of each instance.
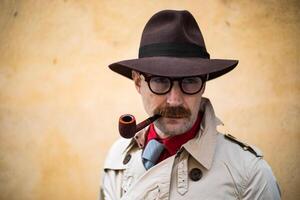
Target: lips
(175, 116)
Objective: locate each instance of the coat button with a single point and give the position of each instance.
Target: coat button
(195, 174)
(126, 159)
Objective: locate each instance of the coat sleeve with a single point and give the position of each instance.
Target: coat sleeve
(260, 183)
(111, 186)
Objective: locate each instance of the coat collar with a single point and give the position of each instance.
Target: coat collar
(203, 146)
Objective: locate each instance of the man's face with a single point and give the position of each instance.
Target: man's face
(181, 110)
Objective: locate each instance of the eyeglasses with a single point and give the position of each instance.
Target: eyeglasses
(161, 85)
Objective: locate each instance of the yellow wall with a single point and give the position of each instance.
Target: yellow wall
(59, 103)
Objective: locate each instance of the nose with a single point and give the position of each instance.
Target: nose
(175, 96)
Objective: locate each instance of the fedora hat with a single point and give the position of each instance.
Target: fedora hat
(172, 45)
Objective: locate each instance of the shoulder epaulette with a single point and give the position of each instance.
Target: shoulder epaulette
(245, 146)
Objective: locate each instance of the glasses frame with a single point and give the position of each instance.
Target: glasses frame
(172, 79)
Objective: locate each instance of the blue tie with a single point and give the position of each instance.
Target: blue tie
(151, 153)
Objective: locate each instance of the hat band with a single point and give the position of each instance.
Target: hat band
(173, 50)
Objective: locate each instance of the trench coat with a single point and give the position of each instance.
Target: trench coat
(211, 166)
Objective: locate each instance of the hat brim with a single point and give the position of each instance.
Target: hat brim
(175, 66)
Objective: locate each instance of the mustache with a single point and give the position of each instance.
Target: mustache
(173, 112)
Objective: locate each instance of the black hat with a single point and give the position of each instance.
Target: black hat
(172, 45)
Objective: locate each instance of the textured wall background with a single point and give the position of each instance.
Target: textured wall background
(59, 104)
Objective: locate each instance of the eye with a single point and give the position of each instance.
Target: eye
(192, 80)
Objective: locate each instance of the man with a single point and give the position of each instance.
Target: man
(181, 155)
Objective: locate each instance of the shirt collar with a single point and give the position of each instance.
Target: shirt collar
(202, 147)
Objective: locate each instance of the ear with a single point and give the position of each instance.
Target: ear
(203, 88)
(137, 80)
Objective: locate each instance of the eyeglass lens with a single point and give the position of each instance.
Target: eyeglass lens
(188, 85)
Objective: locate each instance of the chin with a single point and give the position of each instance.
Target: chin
(174, 126)
(175, 131)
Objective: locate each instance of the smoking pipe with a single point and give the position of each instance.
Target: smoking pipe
(128, 127)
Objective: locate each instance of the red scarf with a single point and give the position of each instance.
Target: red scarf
(173, 144)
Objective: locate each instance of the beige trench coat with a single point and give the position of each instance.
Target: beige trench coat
(211, 166)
